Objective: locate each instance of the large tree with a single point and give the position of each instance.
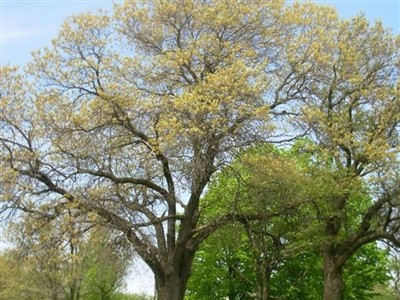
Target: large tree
(352, 107)
(263, 182)
(128, 116)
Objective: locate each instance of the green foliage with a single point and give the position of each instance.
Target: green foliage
(105, 267)
(295, 185)
(226, 269)
(364, 271)
(222, 268)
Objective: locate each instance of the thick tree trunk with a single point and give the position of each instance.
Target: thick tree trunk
(171, 284)
(172, 288)
(333, 280)
(333, 263)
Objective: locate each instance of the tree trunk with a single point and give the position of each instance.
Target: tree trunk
(173, 288)
(333, 281)
(171, 284)
(263, 293)
(263, 284)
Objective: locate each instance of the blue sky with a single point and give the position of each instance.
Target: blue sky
(27, 25)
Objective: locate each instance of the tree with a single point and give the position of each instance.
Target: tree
(61, 259)
(262, 181)
(352, 108)
(129, 116)
(135, 136)
(106, 266)
(279, 258)
(223, 270)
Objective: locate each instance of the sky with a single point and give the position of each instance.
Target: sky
(28, 25)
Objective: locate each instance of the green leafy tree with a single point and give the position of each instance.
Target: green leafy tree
(284, 250)
(62, 260)
(105, 264)
(223, 267)
(227, 271)
(267, 184)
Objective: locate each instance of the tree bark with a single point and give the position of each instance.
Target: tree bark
(333, 280)
(172, 288)
(264, 284)
(172, 285)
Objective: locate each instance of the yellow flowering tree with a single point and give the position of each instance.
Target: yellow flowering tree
(352, 108)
